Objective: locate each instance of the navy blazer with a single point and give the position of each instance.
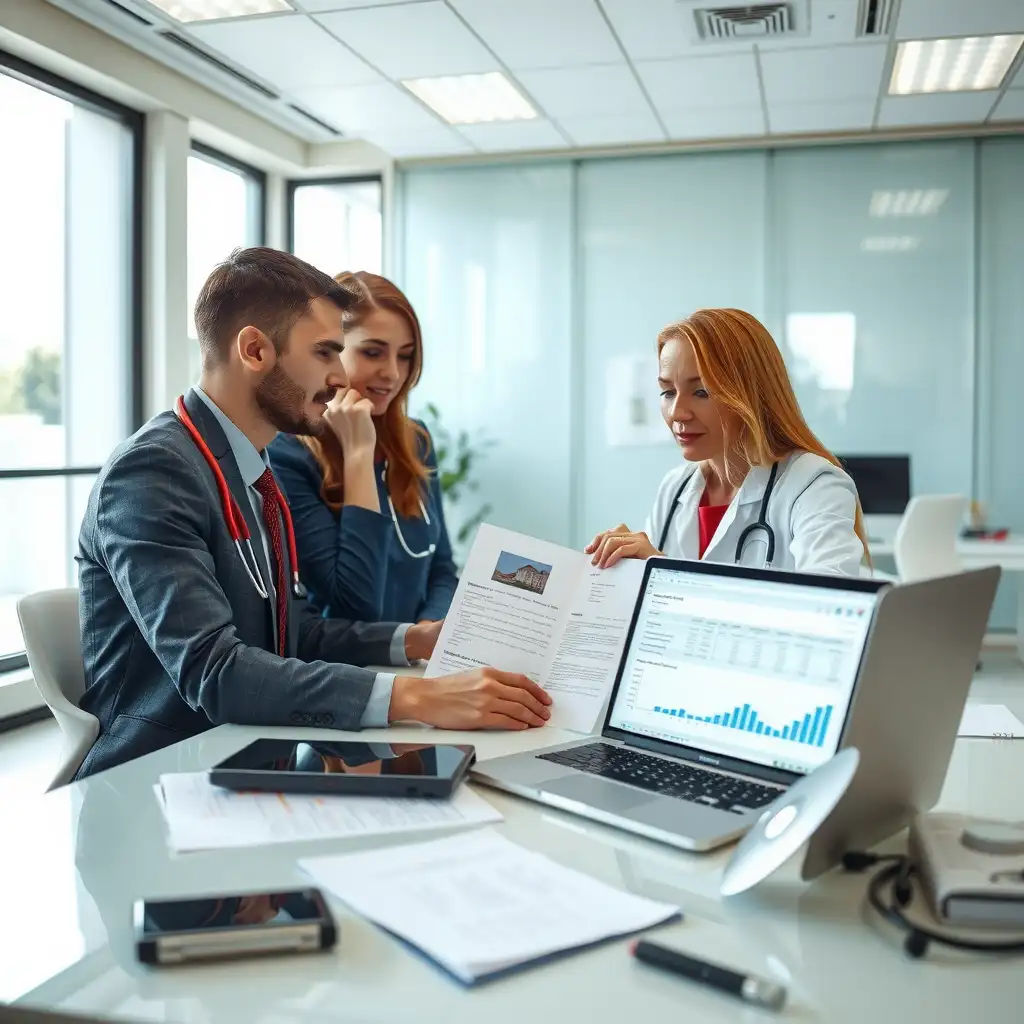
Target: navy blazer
(174, 635)
(351, 560)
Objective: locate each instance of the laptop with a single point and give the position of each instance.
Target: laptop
(733, 683)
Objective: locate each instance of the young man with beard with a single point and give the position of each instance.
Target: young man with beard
(191, 610)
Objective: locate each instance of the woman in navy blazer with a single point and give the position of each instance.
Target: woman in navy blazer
(363, 492)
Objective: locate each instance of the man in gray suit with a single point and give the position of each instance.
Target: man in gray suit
(177, 634)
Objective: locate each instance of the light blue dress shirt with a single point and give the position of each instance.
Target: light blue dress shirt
(251, 465)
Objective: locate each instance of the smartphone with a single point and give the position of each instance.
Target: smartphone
(239, 924)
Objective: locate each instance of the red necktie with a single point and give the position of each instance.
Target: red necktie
(267, 487)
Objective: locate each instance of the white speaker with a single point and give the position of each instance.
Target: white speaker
(788, 823)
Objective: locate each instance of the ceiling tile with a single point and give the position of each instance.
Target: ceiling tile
(509, 135)
(831, 73)
(441, 141)
(367, 107)
(617, 128)
(1011, 107)
(931, 19)
(714, 122)
(943, 108)
(657, 30)
(291, 51)
(317, 6)
(1018, 79)
(525, 35)
(689, 81)
(599, 90)
(417, 40)
(838, 116)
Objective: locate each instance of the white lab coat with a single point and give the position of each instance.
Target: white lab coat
(811, 511)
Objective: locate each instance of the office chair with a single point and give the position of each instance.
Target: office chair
(925, 544)
(53, 643)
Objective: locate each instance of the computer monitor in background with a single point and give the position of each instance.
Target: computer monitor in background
(883, 484)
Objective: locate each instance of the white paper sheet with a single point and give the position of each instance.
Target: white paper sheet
(478, 903)
(563, 623)
(201, 816)
(990, 720)
(582, 670)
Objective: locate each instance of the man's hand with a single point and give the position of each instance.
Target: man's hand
(612, 545)
(349, 415)
(420, 640)
(483, 698)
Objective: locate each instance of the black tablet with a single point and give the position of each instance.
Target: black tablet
(367, 769)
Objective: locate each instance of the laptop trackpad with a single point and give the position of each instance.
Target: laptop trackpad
(596, 792)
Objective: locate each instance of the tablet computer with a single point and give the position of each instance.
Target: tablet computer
(367, 769)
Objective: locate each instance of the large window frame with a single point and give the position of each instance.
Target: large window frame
(134, 122)
(294, 184)
(254, 174)
(198, 247)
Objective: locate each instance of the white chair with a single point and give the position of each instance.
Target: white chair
(53, 643)
(925, 544)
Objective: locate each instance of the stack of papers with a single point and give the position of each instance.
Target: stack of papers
(990, 720)
(201, 816)
(479, 905)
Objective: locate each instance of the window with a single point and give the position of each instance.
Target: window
(226, 211)
(70, 334)
(336, 224)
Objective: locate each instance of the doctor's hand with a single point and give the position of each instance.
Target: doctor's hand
(349, 416)
(612, 545)
(482, 698)
(420, 640)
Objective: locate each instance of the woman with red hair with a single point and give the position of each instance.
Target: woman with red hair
(756, 486)
(363, 491)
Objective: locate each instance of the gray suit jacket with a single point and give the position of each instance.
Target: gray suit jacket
(174, 635)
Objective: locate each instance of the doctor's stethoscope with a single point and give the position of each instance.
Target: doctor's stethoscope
(431, 548)
(236, 524)
(761, 523)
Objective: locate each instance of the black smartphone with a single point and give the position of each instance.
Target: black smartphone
(343, 768)
(239, 924)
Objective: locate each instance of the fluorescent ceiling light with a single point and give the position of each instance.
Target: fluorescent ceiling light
(207, 10)
(890, 243)
(917, 202)
(472, 99)
(952, 65)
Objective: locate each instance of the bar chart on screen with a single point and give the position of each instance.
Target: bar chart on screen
(735, 712)
(810, 729)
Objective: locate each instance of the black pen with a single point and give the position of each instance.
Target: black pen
(750, 989)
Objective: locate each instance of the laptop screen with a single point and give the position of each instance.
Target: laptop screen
(744, 667)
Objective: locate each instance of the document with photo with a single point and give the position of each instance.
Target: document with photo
(524, 605)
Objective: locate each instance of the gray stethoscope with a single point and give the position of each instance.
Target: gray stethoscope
(761, 523)
(398, 529)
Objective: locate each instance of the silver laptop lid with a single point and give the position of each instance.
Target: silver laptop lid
(742, 665)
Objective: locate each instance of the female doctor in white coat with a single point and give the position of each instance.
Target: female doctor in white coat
(756, 487)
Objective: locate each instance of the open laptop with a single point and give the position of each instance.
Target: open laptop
(733, 683)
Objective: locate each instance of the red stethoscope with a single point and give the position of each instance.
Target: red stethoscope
(237, 527)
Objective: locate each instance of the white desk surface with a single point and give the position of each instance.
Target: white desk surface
(976, 554)
(72, 861)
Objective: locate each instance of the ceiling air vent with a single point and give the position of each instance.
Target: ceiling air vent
(121, 9)
(751, 21)
(219, 64)
(315, 120)
(874, 19)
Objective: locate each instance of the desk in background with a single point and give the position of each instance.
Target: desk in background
(73, 860)
(979, 554)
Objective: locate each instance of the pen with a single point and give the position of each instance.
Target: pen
(747, 987)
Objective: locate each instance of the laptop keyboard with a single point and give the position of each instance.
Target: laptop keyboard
(666, 778)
